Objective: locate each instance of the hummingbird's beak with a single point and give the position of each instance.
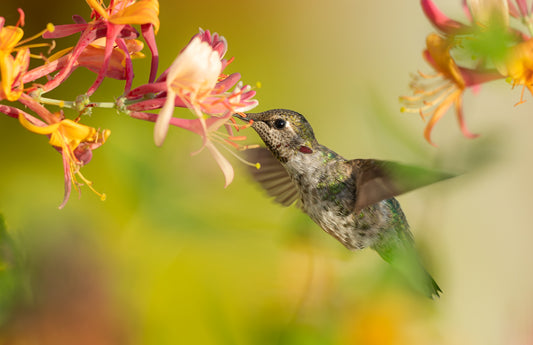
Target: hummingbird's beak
(241, 116)
(249, 116)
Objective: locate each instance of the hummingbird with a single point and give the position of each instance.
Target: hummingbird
(351, 200)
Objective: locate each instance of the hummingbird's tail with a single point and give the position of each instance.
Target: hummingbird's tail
(396, 246)
(407, 262)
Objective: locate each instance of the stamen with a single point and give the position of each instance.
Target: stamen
(221, 77)
(52, 47)
(39, 34)
(235, 145)
(90, 185)
(522, 100)
(248, 147)
(237, 138)
(257, 165)
(445, 91)
(240, 127)
(409, 110)
(429, 76)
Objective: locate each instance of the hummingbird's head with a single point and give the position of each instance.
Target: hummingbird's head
(285, 132)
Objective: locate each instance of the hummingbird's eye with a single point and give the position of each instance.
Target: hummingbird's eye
(279, 123)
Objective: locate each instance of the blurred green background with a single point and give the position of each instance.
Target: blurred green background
(171, 257)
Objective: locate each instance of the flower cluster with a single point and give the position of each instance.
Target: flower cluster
(465, 55)
(107, 44)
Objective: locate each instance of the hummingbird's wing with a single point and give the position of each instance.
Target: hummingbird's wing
(378, 180)
(272, 176)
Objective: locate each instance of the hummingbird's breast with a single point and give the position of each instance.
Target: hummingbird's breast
(327, 194)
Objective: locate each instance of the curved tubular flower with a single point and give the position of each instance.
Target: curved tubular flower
(75, 142)
(454, 80)
(12, 68)
(92, 58)
(119, 14)
(466, 55)
(113, 24)
(439, 19)
(192, 77)
(519, 66)
(195, 81)
(124, 12)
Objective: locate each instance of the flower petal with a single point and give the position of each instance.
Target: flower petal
(140, 12)
(37, 129)
(64, 30)
(222, 162)
(195, 71)
(490, 12)
(439, 19)
(163, 119)
(439, 112)
(461, 120)
(68, 178)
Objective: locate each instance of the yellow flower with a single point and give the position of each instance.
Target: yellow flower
(519, 65)
(11, 68)
(129, 12)
(75, 142)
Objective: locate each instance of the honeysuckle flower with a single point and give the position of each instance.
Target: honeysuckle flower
(124, 12)
(434, 100)
(114, 24)
(240, 98)
(467, 55)
(75, 141)
(192, 77)
(12, 68)
(92, 58)
(519, 66)
(440, 20)
(127, 12)
(194, 80)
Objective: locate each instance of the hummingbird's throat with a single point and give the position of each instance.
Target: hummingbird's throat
(305, 149)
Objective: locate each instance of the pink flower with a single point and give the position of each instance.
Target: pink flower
(195, 80)
(114, 24)
(192, 77)
(440, 20)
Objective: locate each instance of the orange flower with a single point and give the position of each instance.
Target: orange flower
(12, 68)
(519, 65)
(454, 80)
(75, 142)
(124, 12)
